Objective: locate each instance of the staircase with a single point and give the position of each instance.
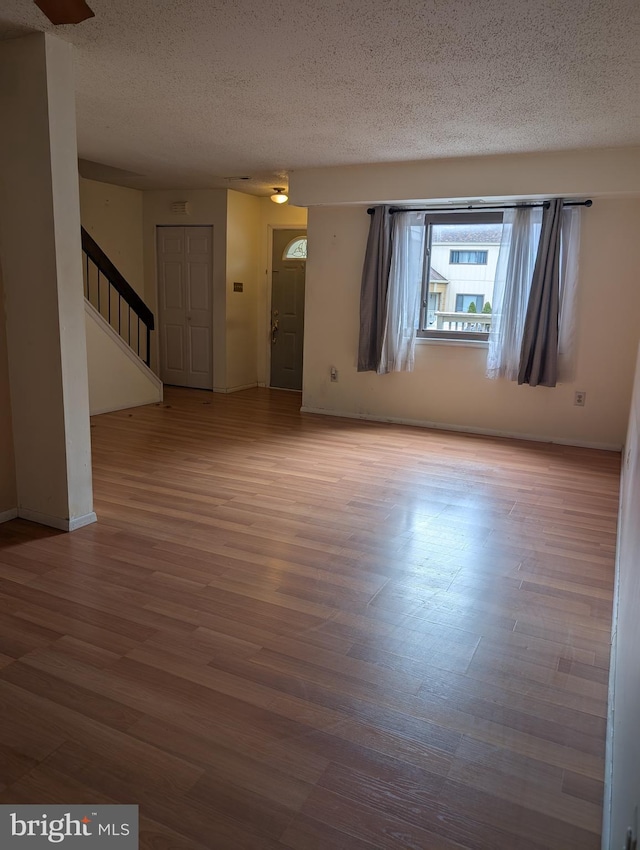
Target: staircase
(118, 334)
(115, 299)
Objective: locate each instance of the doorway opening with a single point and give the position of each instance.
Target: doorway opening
(288, 269)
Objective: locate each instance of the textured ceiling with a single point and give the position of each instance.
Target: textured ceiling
(186, 94)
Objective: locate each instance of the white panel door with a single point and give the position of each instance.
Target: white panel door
(185, 288)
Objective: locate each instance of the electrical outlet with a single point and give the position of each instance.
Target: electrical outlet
(333, 373)
(580, 398)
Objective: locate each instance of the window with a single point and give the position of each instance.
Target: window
(468, 258)
(463, 246)
(296, 249)
(464, 302)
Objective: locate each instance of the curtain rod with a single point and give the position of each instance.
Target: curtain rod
(544, 204)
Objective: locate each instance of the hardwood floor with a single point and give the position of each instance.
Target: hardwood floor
(292, 631)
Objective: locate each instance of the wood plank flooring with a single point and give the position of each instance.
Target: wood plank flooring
(292, 631)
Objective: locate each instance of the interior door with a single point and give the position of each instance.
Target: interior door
(287, 312)
(185, 298)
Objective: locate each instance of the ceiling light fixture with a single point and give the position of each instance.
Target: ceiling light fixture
(280, 197)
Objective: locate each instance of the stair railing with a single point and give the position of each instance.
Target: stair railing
(115, 299)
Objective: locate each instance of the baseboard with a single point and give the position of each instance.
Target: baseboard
(607, 803)
(464, 429)
(127, 406)
(57, 522)
(608, 760)
(80, 521)
(235, 389)
(6, 516)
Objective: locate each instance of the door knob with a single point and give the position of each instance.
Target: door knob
(274, 332)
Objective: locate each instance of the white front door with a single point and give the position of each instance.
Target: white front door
(185, 301)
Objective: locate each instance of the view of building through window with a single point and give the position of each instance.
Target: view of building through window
(461, 273)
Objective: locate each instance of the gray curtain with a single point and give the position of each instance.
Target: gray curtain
(539, 351)
(373, 291)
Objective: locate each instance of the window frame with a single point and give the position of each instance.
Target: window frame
(483, 251)
(471, 217)
(294, 241)
(474, 296)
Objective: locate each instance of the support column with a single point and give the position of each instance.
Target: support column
(41, 260)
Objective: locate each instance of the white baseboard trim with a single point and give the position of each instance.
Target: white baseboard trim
(607, 805)
(464, 429)
(608, 760)
(127, 406)
(57, 522)
(81, 521)
(6, 516)
(235, 389)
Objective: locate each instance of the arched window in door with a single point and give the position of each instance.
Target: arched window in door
(296, 249)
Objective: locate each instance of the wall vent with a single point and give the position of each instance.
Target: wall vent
(180, 208)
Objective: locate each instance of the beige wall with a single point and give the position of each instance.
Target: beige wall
(113, 216)
(272, 216)
(622, 794)
(206, 207)
(448, 386)
(597, 172)
(243, 235)
(8, 499)
(117, 377)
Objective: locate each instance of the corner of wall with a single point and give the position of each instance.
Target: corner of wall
(8, 494)
(622, 760)
(242, 253)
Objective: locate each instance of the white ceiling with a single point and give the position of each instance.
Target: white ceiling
(187, 93)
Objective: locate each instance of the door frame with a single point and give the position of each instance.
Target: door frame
(269, 272)
(157, 227)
